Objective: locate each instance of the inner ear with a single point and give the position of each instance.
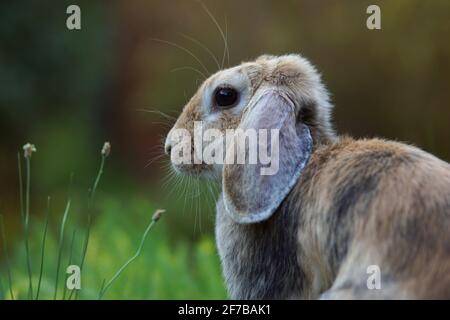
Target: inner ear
(252, 192)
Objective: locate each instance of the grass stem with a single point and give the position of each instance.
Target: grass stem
(44, 237)
(2, 292)
(5, 250)
(60, 247)
(138, 252)
(97, 180)
(69, 262)
(27, 227)
(26, 217)
(90, 216)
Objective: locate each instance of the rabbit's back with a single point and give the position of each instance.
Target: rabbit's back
(387, 205)
(358, 203)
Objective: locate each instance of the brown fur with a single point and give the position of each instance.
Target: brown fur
(357, 203)
(375, 202)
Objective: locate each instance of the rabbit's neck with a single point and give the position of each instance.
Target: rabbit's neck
(260, 261)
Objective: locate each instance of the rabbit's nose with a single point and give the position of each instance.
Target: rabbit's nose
(168, 146)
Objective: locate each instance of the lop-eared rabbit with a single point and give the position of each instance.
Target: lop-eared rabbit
(336, 207)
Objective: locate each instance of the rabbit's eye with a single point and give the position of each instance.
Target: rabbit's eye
(225, 97)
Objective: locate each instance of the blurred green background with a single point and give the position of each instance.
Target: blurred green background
(69, 91)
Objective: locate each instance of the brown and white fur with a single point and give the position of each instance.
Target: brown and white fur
(349, 203)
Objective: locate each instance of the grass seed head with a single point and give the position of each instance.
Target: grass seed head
(28, 149)
(157, 214)
(106, 150)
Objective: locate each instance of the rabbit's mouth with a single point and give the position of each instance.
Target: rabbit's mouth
(187, 159)
(202, 170)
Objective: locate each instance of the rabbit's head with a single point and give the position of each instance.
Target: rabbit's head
(273, 92)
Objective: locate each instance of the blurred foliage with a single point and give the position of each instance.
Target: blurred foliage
(69, 91)
(162, 271)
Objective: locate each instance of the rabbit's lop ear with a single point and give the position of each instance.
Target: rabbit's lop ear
(253, 192)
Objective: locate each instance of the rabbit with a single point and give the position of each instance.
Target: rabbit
(336, 206)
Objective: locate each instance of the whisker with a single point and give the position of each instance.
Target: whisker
(165, 115)
(192, 207)
(162, 123)
(178, 183)
(184, 195)
(225, 50)
(197, 82)
(198, 208)
(213, 197)
(153, 160)
(204, 47)
(189, 68)
(168, 179)
(185, 50)
(226, 40)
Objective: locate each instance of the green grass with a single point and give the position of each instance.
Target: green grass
(158, 267)
(163, 270)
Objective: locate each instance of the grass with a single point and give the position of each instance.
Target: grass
(35, 267)
(105, 285)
